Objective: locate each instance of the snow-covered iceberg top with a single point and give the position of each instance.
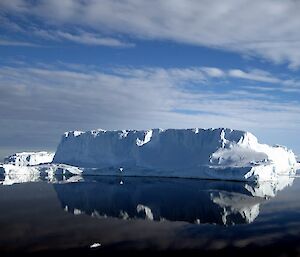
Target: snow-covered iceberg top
(29, 158)
(202, 153)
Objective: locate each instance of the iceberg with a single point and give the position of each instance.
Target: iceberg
(29, 158)
(192, 153)
(221, 153)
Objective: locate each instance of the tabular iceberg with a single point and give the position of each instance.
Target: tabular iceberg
(195, 153)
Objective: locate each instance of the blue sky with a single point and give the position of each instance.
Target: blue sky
(67, 64)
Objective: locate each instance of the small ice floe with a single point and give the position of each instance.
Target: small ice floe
(197, 221)
(146, 210)
(95, 245)
(77, 212)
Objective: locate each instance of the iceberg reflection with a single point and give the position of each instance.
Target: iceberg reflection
(13, 174)
(151, 198)
(158, 199)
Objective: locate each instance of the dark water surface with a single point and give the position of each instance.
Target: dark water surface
(150, 216)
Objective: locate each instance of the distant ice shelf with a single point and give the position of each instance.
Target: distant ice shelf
(221, 153)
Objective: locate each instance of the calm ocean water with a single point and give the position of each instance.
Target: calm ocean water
(97, 215)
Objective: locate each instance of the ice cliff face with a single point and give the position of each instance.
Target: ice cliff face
(29, 158)
(173, 150)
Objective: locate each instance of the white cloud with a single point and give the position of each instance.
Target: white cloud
(81, 38)
(267, 28)
(91, 39)
(4, 42)
(213, 72)
(135, 97)
(255, 75)
(38, 103)
(282, 84)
